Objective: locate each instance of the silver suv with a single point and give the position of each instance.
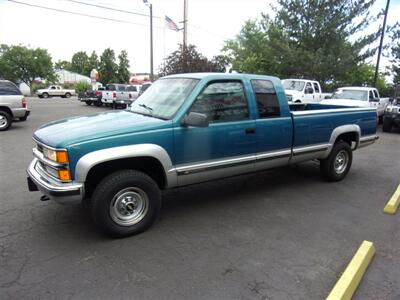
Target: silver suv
(12, 104)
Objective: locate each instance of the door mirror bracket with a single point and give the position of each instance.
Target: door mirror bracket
(196, 120)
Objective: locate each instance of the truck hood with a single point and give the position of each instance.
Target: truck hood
(346, 102)
(65, 132)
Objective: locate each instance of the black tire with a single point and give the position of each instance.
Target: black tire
(67, 95)
(387, 125)
(97, 103)
(88, 102)
(331, 167)
(5, 120)
(23, 119)
(45, 95)
(115, 189)
(40, 96)
(297, 101)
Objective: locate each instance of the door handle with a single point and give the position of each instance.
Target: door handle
(250, 130)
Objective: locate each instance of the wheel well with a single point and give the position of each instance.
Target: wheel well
(348, 137)
(148, 165)
(7, 110)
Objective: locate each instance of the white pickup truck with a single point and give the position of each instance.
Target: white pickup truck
(55, 91)
(303, 91)
(359, 97)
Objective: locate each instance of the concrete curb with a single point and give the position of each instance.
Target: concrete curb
(351, 277)
(394, 202)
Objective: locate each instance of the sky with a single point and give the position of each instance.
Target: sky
(210, 23)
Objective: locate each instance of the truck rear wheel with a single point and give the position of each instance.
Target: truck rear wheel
(67, 95)
(125, 203)
(88, 103)
(336, 166)
(387, 125)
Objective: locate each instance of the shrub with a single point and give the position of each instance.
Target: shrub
(82, 86)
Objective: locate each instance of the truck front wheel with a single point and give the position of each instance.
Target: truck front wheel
(336, 166)
(126, 203)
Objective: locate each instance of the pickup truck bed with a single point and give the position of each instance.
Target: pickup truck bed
(186, 129)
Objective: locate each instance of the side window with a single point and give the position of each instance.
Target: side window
(376, 94)
(53, 87)
(371, 95)
(309, 89)
(267, 100)
(316, 87)
(222, 102)
(9, 89)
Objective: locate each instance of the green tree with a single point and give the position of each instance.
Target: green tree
(306, 38)
(108, 68)
(80, 62)
(395, 52)
(22, 64)
(189, 60)
(62, 64)
(123, 67)
(93, 63)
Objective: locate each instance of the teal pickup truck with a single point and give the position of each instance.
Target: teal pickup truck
(187, 129)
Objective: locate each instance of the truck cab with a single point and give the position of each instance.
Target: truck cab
(302, 91)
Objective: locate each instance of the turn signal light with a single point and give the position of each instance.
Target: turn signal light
(64, 175)
(62, 157)
(23, 102)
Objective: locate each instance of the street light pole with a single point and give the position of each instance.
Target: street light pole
(151, 43)
(380, 44)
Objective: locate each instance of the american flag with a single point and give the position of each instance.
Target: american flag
(171, 24)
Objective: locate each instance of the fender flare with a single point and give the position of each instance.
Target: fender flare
(90, 160)
(350, 128)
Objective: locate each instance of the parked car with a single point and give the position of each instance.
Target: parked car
(187, 129)
(360, 97)
(144, 87)
(391, 117)
(126, 98)
(12, 105)
(92, 97)
(110, 94)
(55, 91)
(303, 91)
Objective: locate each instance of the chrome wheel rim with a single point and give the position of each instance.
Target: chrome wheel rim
(341, 161)
(129, 206)
(3, 121)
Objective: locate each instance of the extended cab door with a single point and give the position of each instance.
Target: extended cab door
(309, 94)
(227, 146)
(273, 126)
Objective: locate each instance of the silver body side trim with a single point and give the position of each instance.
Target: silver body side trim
(88, 161)
(324, 111)
(367, 140)
(301, 154)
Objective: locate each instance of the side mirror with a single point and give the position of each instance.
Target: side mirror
(196, 120)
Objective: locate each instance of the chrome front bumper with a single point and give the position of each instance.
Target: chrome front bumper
(66, 193)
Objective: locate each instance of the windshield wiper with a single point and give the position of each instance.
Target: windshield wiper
(147, 107)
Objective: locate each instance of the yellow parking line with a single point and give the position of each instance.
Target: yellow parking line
(394, 202)
(351, 277)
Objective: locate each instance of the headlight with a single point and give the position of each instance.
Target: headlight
(60, 156)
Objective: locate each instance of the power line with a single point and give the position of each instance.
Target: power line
(113, 9)
(78, 14)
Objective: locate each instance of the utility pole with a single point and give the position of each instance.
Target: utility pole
(185, 20)
(381, 43)
(151, 43)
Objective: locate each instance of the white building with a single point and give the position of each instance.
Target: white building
(70, 77)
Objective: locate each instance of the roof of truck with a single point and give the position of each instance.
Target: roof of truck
(216, 76)
(358, 88)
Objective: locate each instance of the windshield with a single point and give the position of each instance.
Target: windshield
(296, 85)
(163, 98)
(351, 94)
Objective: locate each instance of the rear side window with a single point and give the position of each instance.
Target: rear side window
(222, 102)
(376, 94)
(131, 88)
(267, 100)
(316, 87)
(110, 87)
(9, 89)
(120, 88)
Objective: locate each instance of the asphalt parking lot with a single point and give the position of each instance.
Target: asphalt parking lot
(280, 234)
